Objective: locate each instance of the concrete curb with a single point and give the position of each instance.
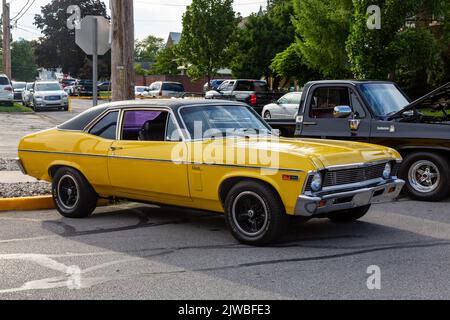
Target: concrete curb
(27, 203)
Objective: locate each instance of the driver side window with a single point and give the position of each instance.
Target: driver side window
(324, 100)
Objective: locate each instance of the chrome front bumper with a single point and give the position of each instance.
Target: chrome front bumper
(327, 202)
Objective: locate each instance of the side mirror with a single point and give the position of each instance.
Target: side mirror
(342, 112)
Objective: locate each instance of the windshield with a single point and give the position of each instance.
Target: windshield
(48, 87)
(385, 99)
(19, 85)
(140, 89)
(214, 121)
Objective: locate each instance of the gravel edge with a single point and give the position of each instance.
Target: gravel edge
(19, 190)
(8, 165)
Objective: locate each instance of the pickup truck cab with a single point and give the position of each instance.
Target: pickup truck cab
(380, 113)
(252, 92)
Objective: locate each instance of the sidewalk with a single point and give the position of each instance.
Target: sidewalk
(15, 177)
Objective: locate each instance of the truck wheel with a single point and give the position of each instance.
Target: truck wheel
(255, 214)
(74, 197)
(267, 115)
(427, 176)
(350, 215)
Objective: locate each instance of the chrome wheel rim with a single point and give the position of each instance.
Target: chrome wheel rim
(424, 176)
(250, 214)
(68, 192)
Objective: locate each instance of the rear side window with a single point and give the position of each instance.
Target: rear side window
(258, 86)
(324, 101)
(80, 122)
(106, 128)
(176, 87)
(4, 81)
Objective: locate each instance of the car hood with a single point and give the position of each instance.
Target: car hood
(436, 100)
(49, 93)
(290, 152)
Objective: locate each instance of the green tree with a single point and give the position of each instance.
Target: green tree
(322, 29)
(208, 29)
(411, 56)
(22, 61)
(263, 36)
(167, 62)
(147, 50)
(57, 48)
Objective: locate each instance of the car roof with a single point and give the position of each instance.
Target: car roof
(49, 81)
(170, 103)
(351, 82)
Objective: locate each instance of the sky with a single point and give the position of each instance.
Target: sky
(152, 17)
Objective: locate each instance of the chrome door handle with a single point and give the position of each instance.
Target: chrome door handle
(310, 123)
(116, 148)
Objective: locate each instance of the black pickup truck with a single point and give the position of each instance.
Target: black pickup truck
(253, 92)
(380, 113)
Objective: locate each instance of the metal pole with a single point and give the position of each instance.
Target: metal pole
(95, 64)
(6, 41)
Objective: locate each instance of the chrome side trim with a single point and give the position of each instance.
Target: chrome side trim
(163, 160)
(357, 165)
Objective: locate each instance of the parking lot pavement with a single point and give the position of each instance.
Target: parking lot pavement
(135, 251)
(14, 126)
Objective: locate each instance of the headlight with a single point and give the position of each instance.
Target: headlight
(316, 183)
(387, 171)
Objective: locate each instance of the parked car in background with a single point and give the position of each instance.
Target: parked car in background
(48, 95)
(68, 82)
(214, 85)
(255, 93)
(6, 90)
(104, 86)
(84, 88)
(70, 90)
(27, 94)
(166, 89)
(18, 88)
(285, 108)
(141, 91)
(379, 112)
(125, 150)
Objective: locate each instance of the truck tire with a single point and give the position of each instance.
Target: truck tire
(255, 214)
(350, 215)
(73, 196)
(427, 176)
(267, 115)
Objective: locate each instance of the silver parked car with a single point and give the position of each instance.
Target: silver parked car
(6, 90)
(49, 95)
(18, 88)
(27, 94)
(166, 89)
(285, 108)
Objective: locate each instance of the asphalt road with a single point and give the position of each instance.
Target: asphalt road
(143, 252)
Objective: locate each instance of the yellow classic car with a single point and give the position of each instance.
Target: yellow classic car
(218, 156)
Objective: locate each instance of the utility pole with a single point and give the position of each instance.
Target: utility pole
(122, 50)
(6, 40)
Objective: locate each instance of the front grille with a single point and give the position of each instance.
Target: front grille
(52, 98)
(349, 176)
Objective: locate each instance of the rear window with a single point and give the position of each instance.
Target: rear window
(258, 86)
(4, 81)
(177, 87)
(80, 122)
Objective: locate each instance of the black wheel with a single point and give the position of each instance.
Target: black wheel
(255, 214)
(74, 197)
(267, 115)
(427, 176)
(350, 215)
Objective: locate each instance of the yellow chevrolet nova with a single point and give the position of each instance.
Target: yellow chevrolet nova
(218, 156)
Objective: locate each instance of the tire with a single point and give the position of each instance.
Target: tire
(85, 201)
(350, 215)
(268, 221)
(267, 115)
(430, 166)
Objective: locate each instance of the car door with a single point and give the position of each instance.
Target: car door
(280, 111)
(141, 164)
(293, 105)
(319, 120)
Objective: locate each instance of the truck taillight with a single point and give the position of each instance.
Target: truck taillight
(253, 99)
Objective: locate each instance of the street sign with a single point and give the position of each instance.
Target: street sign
(84, 37)
(93, 38)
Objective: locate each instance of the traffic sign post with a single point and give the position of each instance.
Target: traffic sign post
(93, 38)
